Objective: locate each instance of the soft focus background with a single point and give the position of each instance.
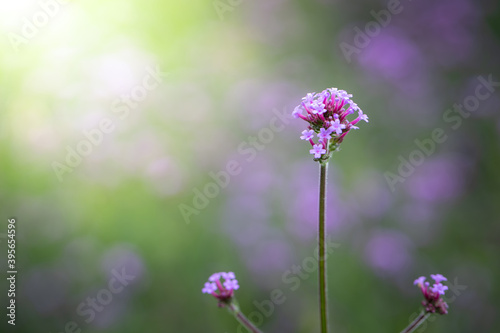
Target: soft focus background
(116, 115)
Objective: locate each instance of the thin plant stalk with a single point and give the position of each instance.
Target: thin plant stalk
(243, 319)
(417, 322)
(323, 303)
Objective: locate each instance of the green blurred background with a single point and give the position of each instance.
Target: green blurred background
(225, 70)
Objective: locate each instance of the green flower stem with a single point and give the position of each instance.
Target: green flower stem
(417, 322)
(323, 303)
(235, 310)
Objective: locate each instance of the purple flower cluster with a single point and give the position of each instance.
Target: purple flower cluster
(225, 289)
(326, 114)
(433, 301)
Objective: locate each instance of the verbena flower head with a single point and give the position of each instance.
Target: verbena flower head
(433, 302)
(223, 291)
(326, 114)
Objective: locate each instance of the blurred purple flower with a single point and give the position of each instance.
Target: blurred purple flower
(395, 58)
(46, 288)
(438, 180)
(124, 258)
(389, 252)
(453, 27)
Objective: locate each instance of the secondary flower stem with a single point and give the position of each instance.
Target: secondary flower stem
(242, 319)
(416, 323)
(322, 248)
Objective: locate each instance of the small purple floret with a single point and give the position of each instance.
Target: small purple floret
(297, 111)
(438, 278)
(324, 133)
(439, 288)
(317, 150)
(337, 126)
(419, 281)
(231, 284)
(214, 277)
(307, 135)
(210, 287)
(362, 116)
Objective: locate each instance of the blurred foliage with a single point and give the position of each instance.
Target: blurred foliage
(228, 73)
